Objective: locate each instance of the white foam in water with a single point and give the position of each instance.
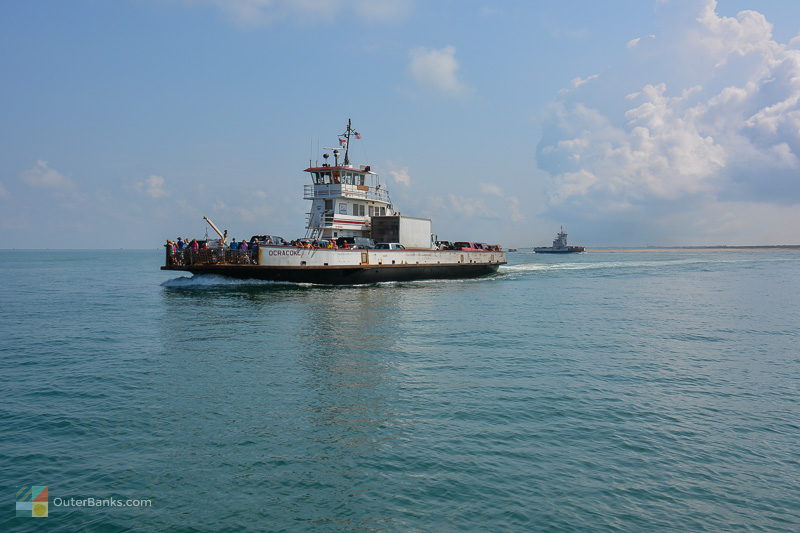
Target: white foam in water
(214, 280)
(200, 281)
(532, 267)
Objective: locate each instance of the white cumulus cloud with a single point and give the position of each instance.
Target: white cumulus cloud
(728, 131)
(578, 82)
(633, 43)
(401, 176)
(436, 69)
(152, 186)
(41, 175)
(470, 207)
(495, 204)
(506, 204)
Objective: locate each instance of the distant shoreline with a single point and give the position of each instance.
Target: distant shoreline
(697, 248)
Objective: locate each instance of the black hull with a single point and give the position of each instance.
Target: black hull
(350, 275)
(576, 251)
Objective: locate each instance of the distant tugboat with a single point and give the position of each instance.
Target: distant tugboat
(559, 246)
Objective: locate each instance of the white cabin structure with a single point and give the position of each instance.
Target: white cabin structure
(344, 198)
(343, 201)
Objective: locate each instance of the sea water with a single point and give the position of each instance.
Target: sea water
(606, 391)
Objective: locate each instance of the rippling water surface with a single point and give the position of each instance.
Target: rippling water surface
(608, 391)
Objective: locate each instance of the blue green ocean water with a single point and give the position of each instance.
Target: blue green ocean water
(607, 391)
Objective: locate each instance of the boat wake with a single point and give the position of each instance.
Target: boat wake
(214, 281)
(602, 265)
(201, 281)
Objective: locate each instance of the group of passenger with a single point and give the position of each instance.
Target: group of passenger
(336, 244)
(242, 245)
(182, 244)
(331, 244)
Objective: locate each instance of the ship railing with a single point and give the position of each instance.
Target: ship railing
(333, 190)
(325, 219)
(211, 256)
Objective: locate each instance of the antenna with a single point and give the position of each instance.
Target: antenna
(346, 140)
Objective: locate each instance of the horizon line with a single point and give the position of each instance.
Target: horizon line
(598, 248)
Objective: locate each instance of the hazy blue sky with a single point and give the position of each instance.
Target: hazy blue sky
(631, 122)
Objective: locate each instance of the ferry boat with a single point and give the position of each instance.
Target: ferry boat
(559, 246)
(354, 235)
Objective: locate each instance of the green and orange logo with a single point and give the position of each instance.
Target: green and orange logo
(32, 501)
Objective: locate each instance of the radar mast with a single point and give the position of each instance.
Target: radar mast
(344, 138)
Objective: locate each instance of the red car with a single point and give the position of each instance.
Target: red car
(467, 246)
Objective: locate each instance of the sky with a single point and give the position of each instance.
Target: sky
(630, 122)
